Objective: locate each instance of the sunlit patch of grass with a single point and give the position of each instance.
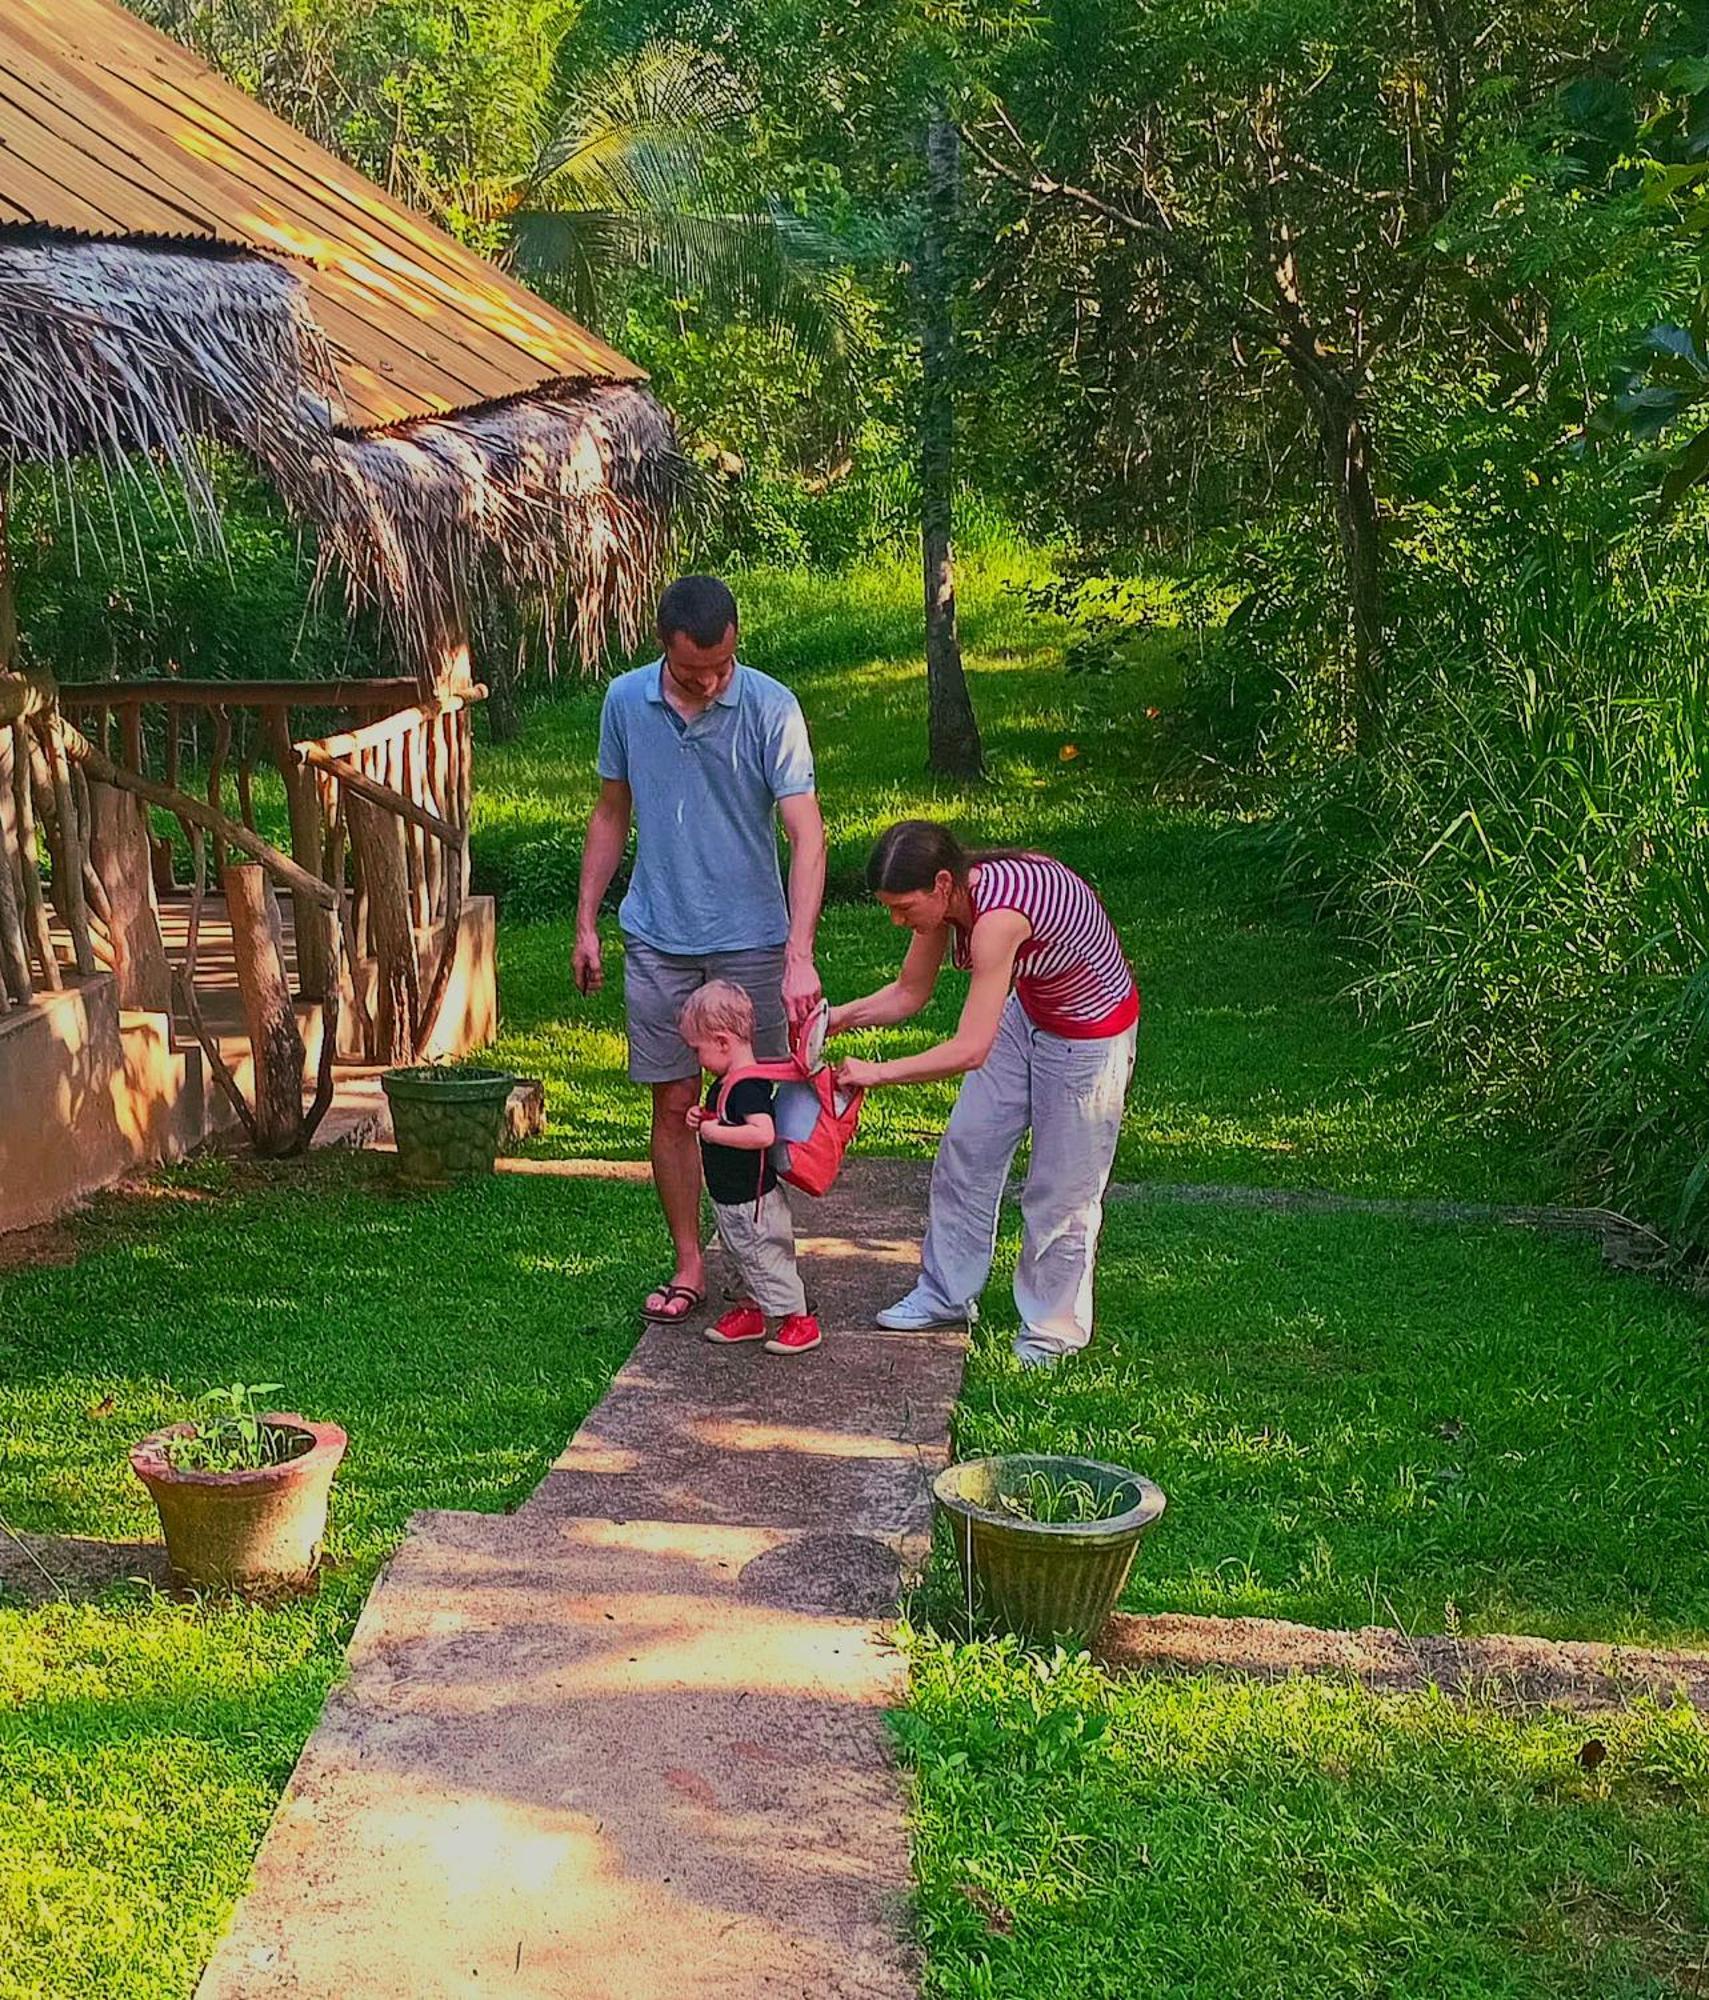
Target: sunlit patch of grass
(459, 1337)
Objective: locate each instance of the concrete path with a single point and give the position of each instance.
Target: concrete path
(629, 1743)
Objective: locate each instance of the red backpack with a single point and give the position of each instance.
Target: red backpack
(816, 1119)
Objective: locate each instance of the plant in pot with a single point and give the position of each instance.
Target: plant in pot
(448, 1122)
(1045, 1544)
(241, 1492)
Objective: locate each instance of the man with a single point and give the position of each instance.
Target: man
(704, 755)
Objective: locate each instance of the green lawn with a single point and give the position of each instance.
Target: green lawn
(143, 1744)
(1252, 1069)
(1081, 1840)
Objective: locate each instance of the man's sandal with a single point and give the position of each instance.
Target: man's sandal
(691, 1302)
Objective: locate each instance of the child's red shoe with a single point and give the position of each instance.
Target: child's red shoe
(797, 1334)
(743, 1322)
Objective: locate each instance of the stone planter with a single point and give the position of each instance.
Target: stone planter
(447, 1122)
(254, 1530)
(1043, 1580)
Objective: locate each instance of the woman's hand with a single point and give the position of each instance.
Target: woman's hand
(856, 1073)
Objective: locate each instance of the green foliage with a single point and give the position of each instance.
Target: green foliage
(233, 1438)
(99, 597)
(1059, 1501)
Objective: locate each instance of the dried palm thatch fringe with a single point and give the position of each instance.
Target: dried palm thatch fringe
(570, 489)
(133, 355)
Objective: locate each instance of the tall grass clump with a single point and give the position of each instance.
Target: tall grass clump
(1526, 860)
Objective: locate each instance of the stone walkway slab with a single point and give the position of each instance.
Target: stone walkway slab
(630, 1743)
(849, 1436)
(577, 1758)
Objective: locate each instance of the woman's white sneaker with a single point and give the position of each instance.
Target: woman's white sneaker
(913, 1315)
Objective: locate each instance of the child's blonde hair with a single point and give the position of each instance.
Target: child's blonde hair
(717, 1008)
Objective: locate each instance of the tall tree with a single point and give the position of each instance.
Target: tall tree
(952, 730)
(1246, 204)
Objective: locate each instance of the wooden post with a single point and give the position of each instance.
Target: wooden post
(377, 838)
(119, 850)
(406, 778)
(465, 789)
(29, 866)
(216, 782)
(67, 853)
(431, 795)
(258, 949)
(308, 850)
(14, 952)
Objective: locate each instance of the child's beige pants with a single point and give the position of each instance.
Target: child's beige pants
(762, 1248)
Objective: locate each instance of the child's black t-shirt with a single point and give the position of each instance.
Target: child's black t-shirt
(732, 1175)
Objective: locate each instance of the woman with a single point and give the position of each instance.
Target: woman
(1046, 1042)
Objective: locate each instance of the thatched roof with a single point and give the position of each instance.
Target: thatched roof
(176, 264)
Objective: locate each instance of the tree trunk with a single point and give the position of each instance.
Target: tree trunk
(258, 948)
(1347, 460)
(952, 730)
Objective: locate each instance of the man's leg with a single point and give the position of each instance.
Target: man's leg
(972, 1164)
(655, 985)
(675, 1153)
(1079, 1092)
(760, 976)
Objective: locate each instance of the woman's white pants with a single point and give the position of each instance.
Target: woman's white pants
(1071, 1094)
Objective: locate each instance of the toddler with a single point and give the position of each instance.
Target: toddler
(754, 1222)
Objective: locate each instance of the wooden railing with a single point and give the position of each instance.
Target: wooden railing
(395, 793)
(377, 873)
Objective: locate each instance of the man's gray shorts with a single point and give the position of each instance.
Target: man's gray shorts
(655, 986)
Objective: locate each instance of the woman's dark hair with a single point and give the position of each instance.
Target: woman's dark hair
(701, 608)
(912, 854)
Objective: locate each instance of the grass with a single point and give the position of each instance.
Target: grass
(1359, 1421)
(1252, 1068)
(460, 1338)
(1077, 1839)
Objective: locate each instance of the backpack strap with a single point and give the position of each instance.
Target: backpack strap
(762, 1072)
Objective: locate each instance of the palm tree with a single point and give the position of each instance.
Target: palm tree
(640, 168)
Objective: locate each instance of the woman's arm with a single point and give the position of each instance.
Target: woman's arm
(906, 994)
(997, 939)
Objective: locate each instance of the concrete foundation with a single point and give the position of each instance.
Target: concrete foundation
(90, 1091)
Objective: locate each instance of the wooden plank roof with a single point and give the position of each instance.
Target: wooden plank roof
(110, 129)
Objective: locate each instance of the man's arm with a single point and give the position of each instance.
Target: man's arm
(607, 836)
(804, 825)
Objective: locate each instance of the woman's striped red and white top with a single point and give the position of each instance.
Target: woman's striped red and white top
(1071, 976)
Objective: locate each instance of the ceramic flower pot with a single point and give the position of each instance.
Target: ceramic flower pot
(1046, 1581)
(448, 1122)
(254, 1530)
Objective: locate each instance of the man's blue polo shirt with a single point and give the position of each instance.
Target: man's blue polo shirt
(706, 876)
